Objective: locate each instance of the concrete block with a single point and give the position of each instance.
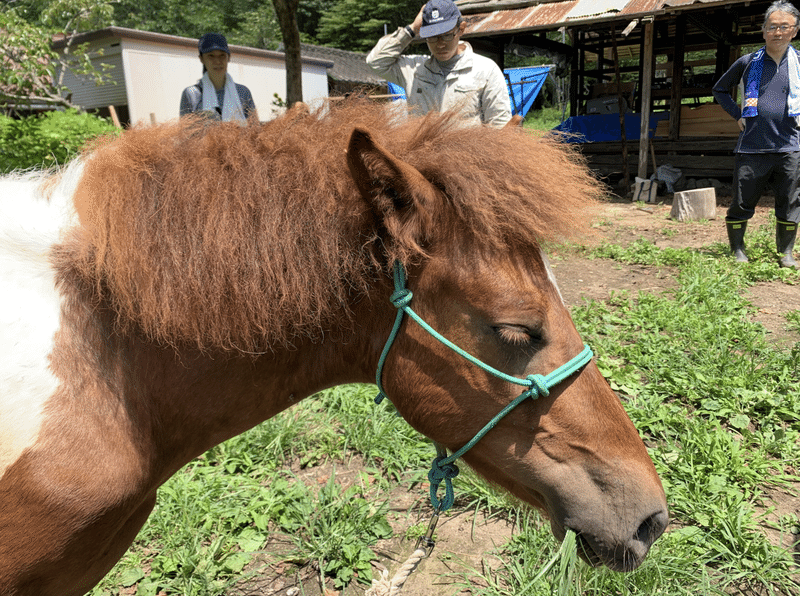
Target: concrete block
(691, 205)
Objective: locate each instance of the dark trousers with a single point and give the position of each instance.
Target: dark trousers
(754, 172)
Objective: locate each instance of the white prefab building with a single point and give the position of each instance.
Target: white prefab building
(147, 72)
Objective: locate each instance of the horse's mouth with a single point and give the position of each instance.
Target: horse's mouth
(624, 560)
(586, 552)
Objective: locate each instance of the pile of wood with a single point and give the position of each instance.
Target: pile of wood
(708, 120)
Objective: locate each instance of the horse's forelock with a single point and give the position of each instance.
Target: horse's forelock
(247, 238)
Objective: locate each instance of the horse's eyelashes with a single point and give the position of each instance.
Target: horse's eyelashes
(518, 335)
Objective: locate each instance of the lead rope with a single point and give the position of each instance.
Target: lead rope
(384, 587)
(442, 467)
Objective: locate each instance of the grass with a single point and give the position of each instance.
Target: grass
(717, 404)
(543, 119)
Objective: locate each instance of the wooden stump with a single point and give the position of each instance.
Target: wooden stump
(691, 205)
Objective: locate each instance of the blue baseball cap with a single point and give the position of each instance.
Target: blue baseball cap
(438, 17)
(213, 41)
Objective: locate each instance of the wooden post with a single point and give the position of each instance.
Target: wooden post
(677, 79)
(114, 118)
(575, 78)
(646, 86)
(626, 175)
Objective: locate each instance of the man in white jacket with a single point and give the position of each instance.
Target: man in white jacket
(453, 77)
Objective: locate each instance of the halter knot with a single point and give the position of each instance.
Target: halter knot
(538, 386)
(401, 297)
(436, 474)
(439, 472)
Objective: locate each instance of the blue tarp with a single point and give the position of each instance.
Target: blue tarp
(605, 127)
(524, 84)
(396, 90)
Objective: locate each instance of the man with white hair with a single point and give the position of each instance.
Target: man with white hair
(768, 151)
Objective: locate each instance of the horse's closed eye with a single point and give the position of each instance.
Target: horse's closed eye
(517, 335)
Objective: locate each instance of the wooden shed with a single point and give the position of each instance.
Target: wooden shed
(669, 53)
(147, 72)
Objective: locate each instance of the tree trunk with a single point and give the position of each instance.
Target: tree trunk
(286, 11)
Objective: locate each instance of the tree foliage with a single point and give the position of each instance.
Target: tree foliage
(245, 22)
(357, 24)
(30, 71)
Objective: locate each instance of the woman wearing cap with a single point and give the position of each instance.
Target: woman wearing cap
(216, 93)
(453, 77)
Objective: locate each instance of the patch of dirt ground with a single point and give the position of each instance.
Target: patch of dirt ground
(464, 539)
(623, 222)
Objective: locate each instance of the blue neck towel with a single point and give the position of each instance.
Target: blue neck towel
(750, 107)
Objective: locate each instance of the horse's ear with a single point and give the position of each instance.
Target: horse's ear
(400, 196)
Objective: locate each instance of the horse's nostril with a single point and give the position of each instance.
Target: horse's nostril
(651, 528)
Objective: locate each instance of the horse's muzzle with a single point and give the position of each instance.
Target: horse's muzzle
(627, 554)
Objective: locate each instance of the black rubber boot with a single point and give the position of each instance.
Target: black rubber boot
(785, 235)
(736, 230)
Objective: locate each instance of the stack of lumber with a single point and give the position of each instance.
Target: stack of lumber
(708, 120)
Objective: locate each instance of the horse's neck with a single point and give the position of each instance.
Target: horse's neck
(176, 404)
(230, 394)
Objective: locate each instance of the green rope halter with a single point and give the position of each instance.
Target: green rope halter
(443, 467)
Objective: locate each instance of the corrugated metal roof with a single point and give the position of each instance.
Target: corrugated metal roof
(594, 8)
(519, 19)
(496, 16)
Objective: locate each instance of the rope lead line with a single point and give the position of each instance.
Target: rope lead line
(443, 467)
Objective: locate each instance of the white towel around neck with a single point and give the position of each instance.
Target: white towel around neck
(231, 104)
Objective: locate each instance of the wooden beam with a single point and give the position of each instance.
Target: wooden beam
(713, 27)
(677, 79)
(626, 182)
(576, 75)
(646, 87)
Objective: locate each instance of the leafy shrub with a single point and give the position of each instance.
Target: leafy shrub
(49, 139)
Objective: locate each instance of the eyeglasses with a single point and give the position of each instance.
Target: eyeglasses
(781, 28)
(444, 37)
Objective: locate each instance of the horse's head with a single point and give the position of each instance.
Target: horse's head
(573, 452)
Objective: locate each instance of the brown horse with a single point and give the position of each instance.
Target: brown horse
(187, 282)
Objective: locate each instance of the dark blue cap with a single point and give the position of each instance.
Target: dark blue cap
(438, 17)
(213, 41)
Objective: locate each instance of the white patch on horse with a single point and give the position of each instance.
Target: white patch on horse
(550, 275)
(30, 306)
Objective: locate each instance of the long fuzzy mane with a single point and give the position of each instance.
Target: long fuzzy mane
(246, 238)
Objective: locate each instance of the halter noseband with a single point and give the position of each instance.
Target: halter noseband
(443, 467)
